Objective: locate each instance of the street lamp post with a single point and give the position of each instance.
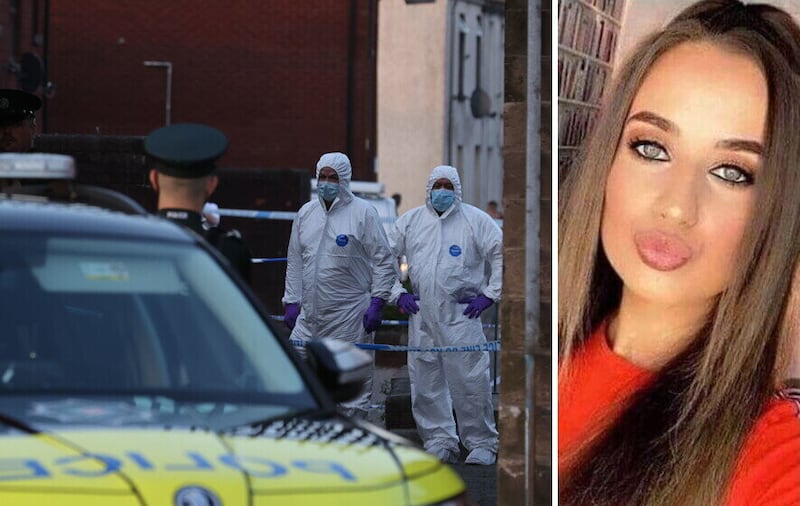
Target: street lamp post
(168, 104)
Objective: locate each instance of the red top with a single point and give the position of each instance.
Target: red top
(768, 472)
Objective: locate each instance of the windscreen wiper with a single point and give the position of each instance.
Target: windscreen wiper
(18, 424)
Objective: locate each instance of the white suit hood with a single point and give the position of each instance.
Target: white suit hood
(341, 164)
(447, 172)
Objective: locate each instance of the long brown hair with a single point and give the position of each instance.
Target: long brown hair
(677, 441)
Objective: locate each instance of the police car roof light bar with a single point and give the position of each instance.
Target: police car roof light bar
(36, 166)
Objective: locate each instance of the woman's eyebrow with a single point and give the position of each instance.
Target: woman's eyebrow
(655, 120)
(662, 123)
(754, 147)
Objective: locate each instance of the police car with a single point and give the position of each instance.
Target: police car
(135, 370)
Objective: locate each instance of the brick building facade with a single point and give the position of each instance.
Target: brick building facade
(285, 80)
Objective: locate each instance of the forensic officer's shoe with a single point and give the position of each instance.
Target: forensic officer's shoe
(445, 455)
(481, 456)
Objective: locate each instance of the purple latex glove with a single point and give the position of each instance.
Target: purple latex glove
(476, 305)
(407, 303)
(291, 314)
(372, 318)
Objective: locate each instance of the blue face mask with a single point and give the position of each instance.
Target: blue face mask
(442, 199)
(328, 191)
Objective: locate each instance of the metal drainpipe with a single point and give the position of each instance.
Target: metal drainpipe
(168, 104)
(450, 31)
(11, 66)
(350, 83)
(46, 61)
(532, 217)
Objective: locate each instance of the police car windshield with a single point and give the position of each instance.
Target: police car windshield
(97, 316)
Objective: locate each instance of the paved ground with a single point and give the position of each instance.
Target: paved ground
(481, 480)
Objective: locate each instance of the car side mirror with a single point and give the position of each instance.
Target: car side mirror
(342, 367)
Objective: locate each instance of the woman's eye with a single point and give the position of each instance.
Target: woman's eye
(650, 150)
(733, 175)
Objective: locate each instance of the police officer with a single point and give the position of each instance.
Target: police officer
(182, 161)
(17, 120)
(17, 125)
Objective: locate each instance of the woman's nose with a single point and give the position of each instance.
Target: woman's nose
(678, 201)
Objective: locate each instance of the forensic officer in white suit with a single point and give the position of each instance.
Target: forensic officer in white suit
(455, 265)
(340, 270)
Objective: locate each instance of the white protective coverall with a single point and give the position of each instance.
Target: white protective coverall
(447, 257)
(338, 259)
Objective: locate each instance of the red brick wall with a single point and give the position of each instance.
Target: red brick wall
(273, 75)
(23, 29)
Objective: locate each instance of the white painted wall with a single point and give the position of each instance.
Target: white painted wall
(420, 123)
(411, 89)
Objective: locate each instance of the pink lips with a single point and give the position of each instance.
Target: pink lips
(661, 251)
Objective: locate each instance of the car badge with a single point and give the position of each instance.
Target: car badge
(196, 496)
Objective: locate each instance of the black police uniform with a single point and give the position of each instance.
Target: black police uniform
(189, 151)
(17, 106)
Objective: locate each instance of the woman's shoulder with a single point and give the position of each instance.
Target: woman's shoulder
(781, 415)
(768, 472)
(780, 420)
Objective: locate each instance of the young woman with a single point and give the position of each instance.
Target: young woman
(674, 319)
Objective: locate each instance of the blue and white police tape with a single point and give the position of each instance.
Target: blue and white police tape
(389, 323)
(267, 260)
(275, 215)
(488, 346)
(259, 215)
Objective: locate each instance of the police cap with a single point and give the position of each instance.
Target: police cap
(17, 105)
(186, 150)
